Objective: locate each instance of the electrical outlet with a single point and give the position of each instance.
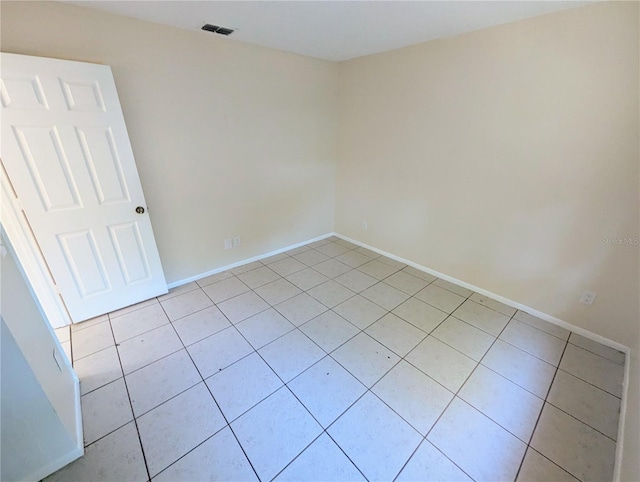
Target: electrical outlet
(588, 297)
(236, 241)
(365, 225)
(228, 243)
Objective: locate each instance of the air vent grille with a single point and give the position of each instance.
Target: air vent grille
(219, 30)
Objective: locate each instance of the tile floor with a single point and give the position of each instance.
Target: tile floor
(329, 362)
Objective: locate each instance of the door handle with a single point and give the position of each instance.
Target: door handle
(140, 210)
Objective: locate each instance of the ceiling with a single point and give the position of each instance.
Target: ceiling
(333, 30)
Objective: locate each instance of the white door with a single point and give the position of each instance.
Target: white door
(67, 153)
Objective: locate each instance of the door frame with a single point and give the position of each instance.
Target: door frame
(27, 250)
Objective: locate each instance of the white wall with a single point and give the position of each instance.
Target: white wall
(229, 139)
(503, 158)
(28, 416)
(40, 417)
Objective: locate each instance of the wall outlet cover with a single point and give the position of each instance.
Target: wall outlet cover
(588, 297)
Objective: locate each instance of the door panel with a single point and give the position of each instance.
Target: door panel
(129, 248)
(83, 260)
(82, 96)
(26, 92)
(101, 157)
(41, 148)
(67, 153)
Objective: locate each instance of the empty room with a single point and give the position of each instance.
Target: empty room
(320, 241)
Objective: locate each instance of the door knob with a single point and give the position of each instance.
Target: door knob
(140, 210)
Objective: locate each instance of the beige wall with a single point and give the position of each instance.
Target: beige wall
(503, 158)
(230, 139)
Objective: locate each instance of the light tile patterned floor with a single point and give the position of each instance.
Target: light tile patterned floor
(330, 362)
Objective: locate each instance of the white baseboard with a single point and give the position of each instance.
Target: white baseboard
(501, 299)
(57, 464)
(464, 284)
(245, 261)
(551, 319)
(77, 401)
(617, 468)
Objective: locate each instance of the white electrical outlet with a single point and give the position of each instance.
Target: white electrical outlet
(228, 243)
(236, 241)
(365, 225)
(588, 297)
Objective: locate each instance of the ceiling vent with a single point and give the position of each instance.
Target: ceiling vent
(219, 30)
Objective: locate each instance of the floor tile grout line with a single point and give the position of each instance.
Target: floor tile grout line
(298, 326)
(597, 354)
(546, 400)
(342, 450)
(400, 269)
(473, 326)
(526, 442)
(362, 330)
(455, 395)
(528, 353)
(110, 431)
(217, 405)
(529, 447)
(174, 293)
(559, 361)
(194, 448)
(543, 331)
(118, 343)
(180, 318)
(424, 438)
(131, 307)
(370, 390)
(581, 421)
(135, 421)
(285, 384)
(168, 399)
(425, 441)
(77, 327)
(390, 311)
(588, 382)
(535, 426)
(325, 430)
(102, 437)
(322, 432)
(85, 356)
(508, 379)
(328, 279)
